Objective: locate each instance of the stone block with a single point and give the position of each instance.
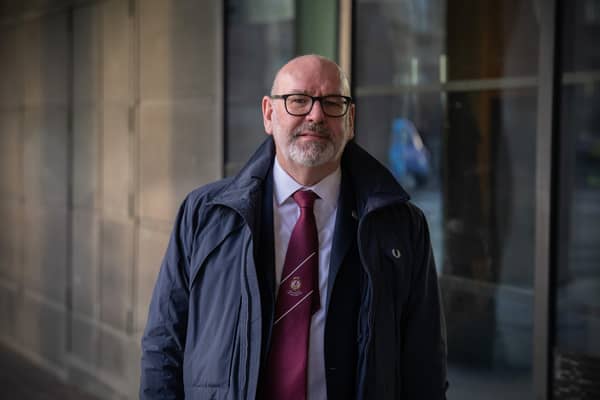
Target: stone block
(8, 309)
(151, 249)
(86, 153)
(29, 7)
(245, 133)
(183, 35)
(46, 59)
(117, 180)
(179, 150)
(134, 356)
(117, 50)
(11, 69)
(85, 258)
(10, 10)
(85, 341)
(86, 54)
(11, 241)
(41, 328)
(118, 359)
(116, 273)
(11, 154)
(45, 256)
(45, 156)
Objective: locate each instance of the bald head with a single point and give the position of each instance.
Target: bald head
(312, 64)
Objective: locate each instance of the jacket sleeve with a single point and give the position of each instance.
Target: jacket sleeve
(424, 347)
(163, 341)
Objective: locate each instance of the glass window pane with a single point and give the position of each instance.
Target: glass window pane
(577, 318)
(581, 30)
(411, 42)
(399, 42)
(487, 271)
(492, 39)
(260, 39)
(578, 292)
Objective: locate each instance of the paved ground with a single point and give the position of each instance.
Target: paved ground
(22, 380)
(479, 384)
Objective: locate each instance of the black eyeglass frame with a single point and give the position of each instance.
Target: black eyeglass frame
(284, 97)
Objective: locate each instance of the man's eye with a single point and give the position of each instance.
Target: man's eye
(298, 100)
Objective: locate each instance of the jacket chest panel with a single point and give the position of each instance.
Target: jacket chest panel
(215, 307)
(390, 259)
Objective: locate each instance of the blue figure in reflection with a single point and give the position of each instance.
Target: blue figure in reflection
(408, 158)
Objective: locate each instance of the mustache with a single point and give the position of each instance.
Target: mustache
(318, 129)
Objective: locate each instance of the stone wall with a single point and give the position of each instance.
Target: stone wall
(110, 112)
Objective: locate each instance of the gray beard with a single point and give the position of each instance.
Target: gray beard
(311, 154)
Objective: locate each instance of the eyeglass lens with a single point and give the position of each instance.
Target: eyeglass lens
(300, 104)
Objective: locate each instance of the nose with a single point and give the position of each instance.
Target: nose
(316, 112)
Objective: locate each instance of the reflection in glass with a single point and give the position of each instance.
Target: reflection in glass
(581, 30)
(260, 39)
(479, 202)
(400, 42)
(578, 279)
(492, 39)
(577, 307)
(487, 271)
(405, 133)
(417, 42)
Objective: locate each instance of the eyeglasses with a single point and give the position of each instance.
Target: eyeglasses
(301, 104)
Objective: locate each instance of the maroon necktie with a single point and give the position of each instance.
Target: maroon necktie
(298, 298)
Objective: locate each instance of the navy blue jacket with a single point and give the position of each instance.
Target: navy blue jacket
(209, 321)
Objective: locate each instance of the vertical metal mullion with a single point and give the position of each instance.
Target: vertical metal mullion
(345, 36)
(547, 129)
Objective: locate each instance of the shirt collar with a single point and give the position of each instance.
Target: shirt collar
(328, 188)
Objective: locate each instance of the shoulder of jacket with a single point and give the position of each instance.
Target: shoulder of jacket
(206, 193)
(414, 210)
(404, 208)
(403, 216)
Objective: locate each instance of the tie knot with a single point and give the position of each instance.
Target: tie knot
(305, 198)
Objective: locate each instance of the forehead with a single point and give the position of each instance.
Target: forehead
(313, 77)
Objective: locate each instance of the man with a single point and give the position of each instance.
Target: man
(307, 275)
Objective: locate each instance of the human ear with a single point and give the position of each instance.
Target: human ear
(351, 112)
(267, 111)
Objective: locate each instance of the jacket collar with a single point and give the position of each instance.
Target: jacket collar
(243, 193)
(375, 185)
